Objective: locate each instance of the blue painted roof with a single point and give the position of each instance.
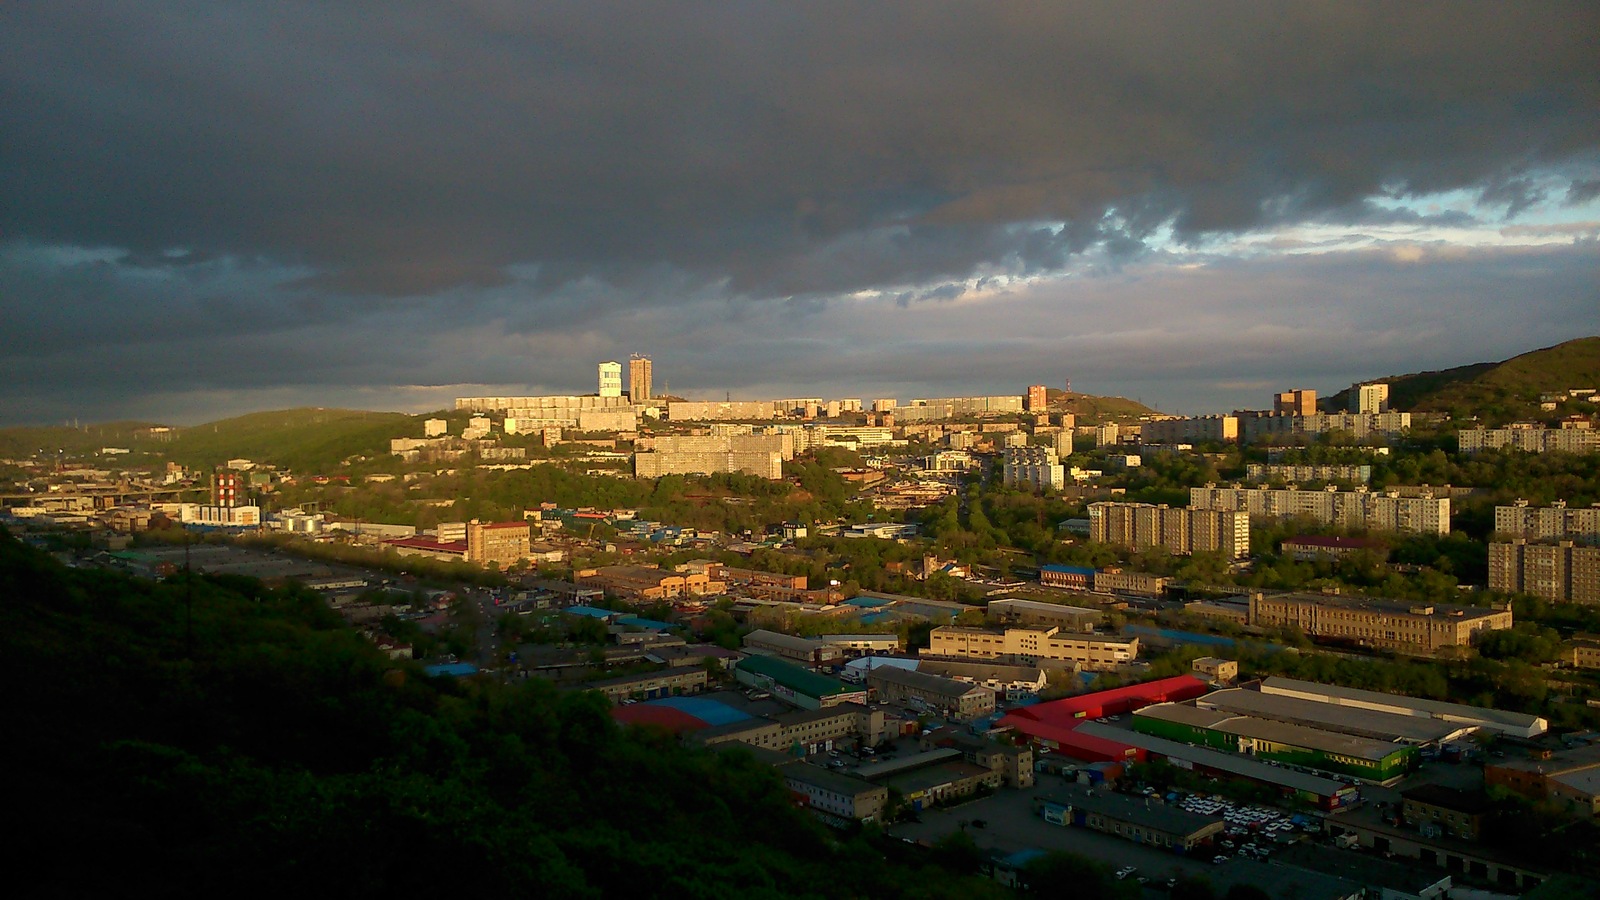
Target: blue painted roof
(454, 670)
(873, 617)
(1069, 570)
(591, 612)
(869, 601)
(707, 710)
(1185, 637)
(1022, 857)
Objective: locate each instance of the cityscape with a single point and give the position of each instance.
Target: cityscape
(1033, 624)
(953, 451)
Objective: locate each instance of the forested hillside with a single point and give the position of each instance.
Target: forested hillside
(262, 747)
(1496, 392)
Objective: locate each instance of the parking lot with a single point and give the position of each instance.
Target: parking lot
(1009, 823)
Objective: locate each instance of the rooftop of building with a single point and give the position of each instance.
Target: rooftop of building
(981, 671)
(1092, 638)
(1391, 607)
(921, 779)
(966, 741)
(1470, 802)
(1348, 719)
(674, 672)
(1270, 730)
(1575, 759)
(634, 573)
(1022, 603)
(1364, 869)
(1345, 696)
(915, 679)
(886, 767)
(1217, 760)
(425, 543)
(779, 639)
(799, 717)
(978, 629)
(832, 782)
(1279, 880)
(793, 676)
(735, 729)
(1141, 812)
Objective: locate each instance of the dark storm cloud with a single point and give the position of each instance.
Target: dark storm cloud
(214, 196)
(407, 147)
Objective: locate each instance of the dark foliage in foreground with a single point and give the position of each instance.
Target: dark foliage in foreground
(266, 748)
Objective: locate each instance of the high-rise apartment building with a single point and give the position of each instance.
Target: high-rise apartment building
(639, 389)
(1037, 398)
(1563, 572)
(1181, 531)
(1255, 427)
(1370, 398)
(1297, 402)
(1532, 438)
(1291, 473)
(1360, 508)
(1553, 521)
(501, 543)
(756, 454)
(611, 379)
(1036, 467)
(1194, 430)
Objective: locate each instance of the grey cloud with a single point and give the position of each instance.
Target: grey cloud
(420, 147)
(1515, 194)
(1582, 191)
(303, 194)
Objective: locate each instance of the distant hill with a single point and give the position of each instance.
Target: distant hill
(18, 443)
(300, 439)
(1091, 409)
(1494, 392)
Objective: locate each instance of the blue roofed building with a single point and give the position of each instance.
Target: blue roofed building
(1079, 578)
(647, 624)
(593, 612)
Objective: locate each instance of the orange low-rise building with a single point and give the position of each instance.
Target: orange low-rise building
(645, 583)
(500, 543)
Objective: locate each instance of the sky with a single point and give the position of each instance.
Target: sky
(216, 207)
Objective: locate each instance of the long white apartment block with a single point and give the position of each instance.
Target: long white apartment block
(1386, 511)
(1531, 438)
(1543, 522)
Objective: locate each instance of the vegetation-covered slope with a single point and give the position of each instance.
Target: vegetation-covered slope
(269, 749)
(301, 439)
(45, 440)
(297, 438)
(1495, 392)
(1091, 409)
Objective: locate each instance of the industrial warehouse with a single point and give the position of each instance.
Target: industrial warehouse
(1363, 757)
(1259, 731)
